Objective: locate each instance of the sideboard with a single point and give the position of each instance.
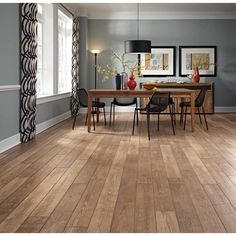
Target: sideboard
(209, 99)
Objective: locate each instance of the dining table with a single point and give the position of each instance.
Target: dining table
(140, 93)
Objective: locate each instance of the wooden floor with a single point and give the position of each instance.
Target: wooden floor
(110, 181)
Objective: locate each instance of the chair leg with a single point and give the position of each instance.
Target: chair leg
(174, 114)
(137, 113)
(199, 113)
(203, 110)
(93, 120)
(148, 125)
(86, 119)
(158, 121)
(114, 113)
(104, 112)
(135, 110)
(110, 113)
(97, 114)
(181, 116)
(185, 114)
(172, 120)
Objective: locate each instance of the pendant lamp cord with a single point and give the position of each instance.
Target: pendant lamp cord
(138, 21)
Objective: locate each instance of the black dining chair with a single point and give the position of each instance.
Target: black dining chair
(198, 104)
(121, 102)
(82, 98)
(158, 103)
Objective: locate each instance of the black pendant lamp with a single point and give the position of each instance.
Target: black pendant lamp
(137, 46)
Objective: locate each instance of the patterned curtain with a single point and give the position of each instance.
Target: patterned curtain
(75, 66)
(28, 70)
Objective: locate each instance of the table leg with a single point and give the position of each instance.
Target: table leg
(98, 111)
(192, 110)
(89, 111)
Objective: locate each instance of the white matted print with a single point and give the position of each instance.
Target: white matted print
(160, 62)
(202, 57)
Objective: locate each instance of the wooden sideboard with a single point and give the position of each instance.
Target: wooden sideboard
(209, 99)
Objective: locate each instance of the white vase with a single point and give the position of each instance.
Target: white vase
(124, 80)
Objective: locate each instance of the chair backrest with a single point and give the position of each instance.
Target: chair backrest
(158, 102)
(83, 97)
(200, 98)
(124, 101)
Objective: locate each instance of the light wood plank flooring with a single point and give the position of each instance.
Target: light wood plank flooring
(109, 181)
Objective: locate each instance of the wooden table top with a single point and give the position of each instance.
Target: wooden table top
(137, 92)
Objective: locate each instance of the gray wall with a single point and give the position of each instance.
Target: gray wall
(9, 44)
(9, 114)
(47, 111)
(110, 34)
(9, 69)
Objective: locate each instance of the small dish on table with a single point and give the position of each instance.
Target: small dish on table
(149, 85)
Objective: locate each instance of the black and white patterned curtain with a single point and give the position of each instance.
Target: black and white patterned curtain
(28, 70)
(75, 66)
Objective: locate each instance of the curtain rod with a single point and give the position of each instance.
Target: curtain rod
(66, 9)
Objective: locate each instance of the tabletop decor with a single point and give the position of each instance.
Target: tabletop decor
(132, 83)
(196, 75)
(109, 71)
(201, 57)
(149, 85)
(118, 81)
(161, 62)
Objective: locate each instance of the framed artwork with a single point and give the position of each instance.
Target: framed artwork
(160, 62)
(202, 56)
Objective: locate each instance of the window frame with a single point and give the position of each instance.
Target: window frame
(56, 95)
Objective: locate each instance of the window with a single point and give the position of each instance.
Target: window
(40, 52)
(54, 62)
(64, 52)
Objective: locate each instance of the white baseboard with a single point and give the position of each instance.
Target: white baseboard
(10, 142)
(49, 123)
(225, 109)
(107, 108)
(15, 139)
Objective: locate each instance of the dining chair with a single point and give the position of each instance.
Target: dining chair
(83, 102)
(121, 102)
(158, 103)
(198, 104)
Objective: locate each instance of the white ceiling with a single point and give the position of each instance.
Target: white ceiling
(155, 10)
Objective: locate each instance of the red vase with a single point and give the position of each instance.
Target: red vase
(132, 83)
(196, 76)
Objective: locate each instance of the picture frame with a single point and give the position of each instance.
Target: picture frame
(202, 56)
(161, 62)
